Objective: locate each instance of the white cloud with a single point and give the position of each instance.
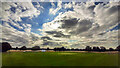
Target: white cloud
(11, 14)
(15, 11)
(69, 5)
(54, 10)
(88, 23)
(18, 38)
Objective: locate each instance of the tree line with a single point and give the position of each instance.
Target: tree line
(5, 46)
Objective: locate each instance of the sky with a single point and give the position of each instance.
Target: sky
(57, 24)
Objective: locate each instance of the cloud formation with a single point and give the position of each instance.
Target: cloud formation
(11, 14)
(54, 10)
(75, 25)
(88, 23)
(14, 11)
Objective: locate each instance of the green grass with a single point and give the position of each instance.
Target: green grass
(58, 59)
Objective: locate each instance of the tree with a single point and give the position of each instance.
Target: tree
(55, 49)
(48, 48)
(62, 48)
(59, 49)
(102, 48)
(23, 48)
(5, 46)
(72, 49)
(36, 48)
(88, 48)
(16, 48)
(118, 48)
(111, 49)
(96, 49)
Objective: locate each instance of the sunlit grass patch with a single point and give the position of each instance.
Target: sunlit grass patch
(64, 53)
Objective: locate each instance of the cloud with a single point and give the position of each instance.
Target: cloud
(74, 26)
(18, 34)
(27, 28)
(69, 5)
(46, 38)
(88, 23)
(57, 34)
(54, 10)
(18, 38)
(14, 11)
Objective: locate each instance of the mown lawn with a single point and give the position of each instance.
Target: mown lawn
(58, 59)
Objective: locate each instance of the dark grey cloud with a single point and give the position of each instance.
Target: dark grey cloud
(46, 43)
(76, 26)
(102, 40)
(91, 7)
(83, 25)
(69, 23)
(57, 34)
(62, 35)
(95, 42)
(8, 40)
(46, 38)
(52, 32)
(113, 9)
(51, 44)
(102, 33)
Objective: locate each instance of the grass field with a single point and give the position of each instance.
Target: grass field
(58, 59)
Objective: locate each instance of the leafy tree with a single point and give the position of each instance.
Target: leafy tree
(36, 48)
(118, 48)
(102, 48)
(16, 48)
(55, 49)
(62, 48)
(96, 49)
(111, 49)
(5, 46)
(23, 48)
(88, 48)
(48, 48)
